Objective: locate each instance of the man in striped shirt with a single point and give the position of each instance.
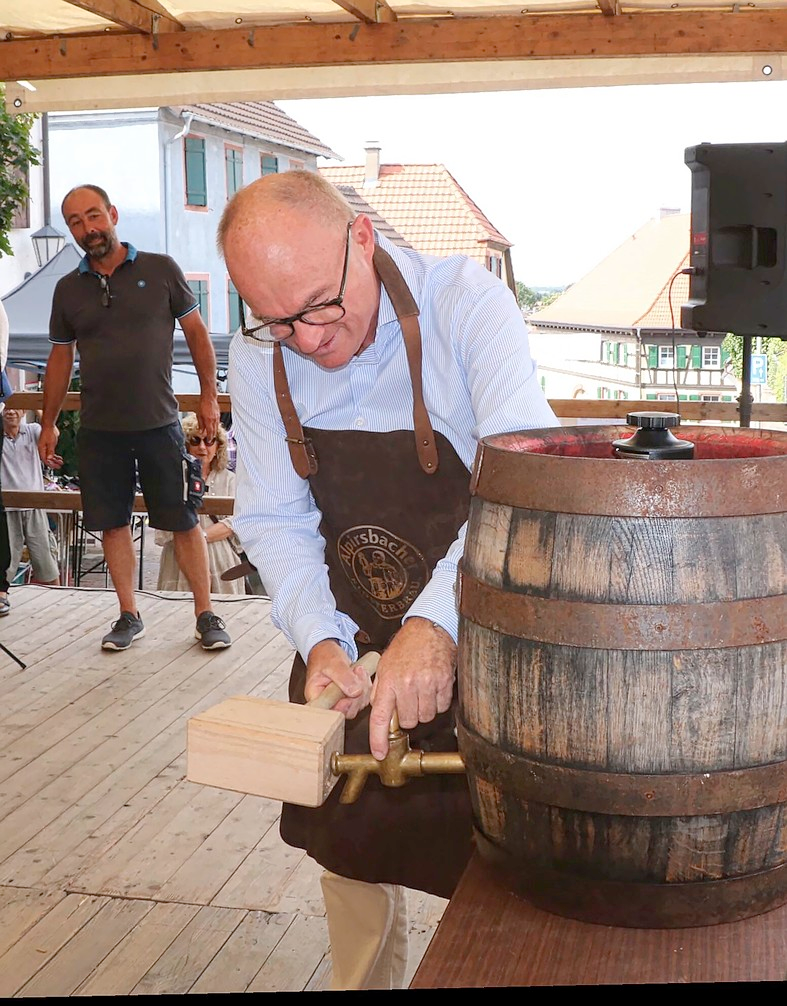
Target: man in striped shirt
(353, 473)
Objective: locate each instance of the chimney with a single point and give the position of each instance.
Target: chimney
(372, 175)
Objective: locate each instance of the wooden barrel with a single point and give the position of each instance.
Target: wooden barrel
(623, 674)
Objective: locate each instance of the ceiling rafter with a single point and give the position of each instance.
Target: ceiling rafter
(368, 11)
(130, 14)
(414, 40)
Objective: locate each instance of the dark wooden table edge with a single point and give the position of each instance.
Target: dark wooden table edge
(490, 937)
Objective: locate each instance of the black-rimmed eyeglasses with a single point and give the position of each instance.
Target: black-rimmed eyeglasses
(106, 293)
(278, 329)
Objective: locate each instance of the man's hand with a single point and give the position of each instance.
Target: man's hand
(328, 662)
(415, 677)
(208, 413)
(47, 442)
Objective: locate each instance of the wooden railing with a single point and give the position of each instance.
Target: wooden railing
(564, 408)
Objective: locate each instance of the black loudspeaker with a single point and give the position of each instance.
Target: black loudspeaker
(738, 224)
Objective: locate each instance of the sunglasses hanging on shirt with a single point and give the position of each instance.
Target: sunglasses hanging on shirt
(106, 293)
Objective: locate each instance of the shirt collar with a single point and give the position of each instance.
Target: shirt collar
(131, 254)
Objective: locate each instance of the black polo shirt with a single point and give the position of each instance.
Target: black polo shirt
(124, 336)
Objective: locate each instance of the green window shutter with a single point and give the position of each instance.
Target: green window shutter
(598, 392)
(696, 357)
(682, 398)
(653, 356)
(269, 165)
(726, 398)
(650, 398)
(681, 357)
(196, 178)
(199, 288)
(694, 398)
(724, 357)
(603, 351)
(234, 307)
(233, 163)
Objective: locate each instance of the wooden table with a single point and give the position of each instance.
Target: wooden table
(489, 937)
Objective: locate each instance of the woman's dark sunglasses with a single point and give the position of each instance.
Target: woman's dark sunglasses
(195, 441)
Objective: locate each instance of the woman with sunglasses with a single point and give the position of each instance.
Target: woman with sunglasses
(221, 539)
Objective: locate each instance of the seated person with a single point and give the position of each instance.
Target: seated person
(221, 539)
(21, 469)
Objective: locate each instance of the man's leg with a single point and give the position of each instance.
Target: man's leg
(367, 927)
(16, 542)
(121, 563)
(36, 533)
(107, 478)
(162, 473)
(191, 553)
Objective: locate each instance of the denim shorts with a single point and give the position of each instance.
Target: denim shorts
(110, 463)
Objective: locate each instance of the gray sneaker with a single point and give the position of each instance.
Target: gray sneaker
(124, 631)
(210, 632)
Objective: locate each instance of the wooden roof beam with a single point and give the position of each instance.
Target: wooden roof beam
(368, 11)
(558, 36)
(609, 8)
(129, 14)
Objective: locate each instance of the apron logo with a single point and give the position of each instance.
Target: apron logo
(387, 570)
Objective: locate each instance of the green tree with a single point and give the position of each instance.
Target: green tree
(534, 299)
(17, 156)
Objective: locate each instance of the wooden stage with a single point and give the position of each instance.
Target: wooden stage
(116, 875)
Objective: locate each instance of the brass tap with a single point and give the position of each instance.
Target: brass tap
(401, 764)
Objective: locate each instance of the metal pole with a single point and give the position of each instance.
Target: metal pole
(745, 399)
(45, 167)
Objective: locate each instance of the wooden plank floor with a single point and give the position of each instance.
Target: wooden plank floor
(117, 876)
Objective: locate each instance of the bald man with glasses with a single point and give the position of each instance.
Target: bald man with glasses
(361, 380)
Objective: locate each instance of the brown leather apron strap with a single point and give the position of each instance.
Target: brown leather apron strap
(302, 455)
(407, 313)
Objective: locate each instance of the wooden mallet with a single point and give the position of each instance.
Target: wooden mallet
(269, 748)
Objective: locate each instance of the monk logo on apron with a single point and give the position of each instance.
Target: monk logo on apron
(387, 570)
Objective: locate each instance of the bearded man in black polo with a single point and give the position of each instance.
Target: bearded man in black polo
(119, 308)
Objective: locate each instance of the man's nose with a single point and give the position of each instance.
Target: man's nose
(308, 337)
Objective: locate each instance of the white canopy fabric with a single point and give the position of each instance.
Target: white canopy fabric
(122, 53)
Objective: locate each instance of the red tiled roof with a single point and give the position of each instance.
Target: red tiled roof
(381, 225)
(630, 287)
(427, 206)
(264, 120)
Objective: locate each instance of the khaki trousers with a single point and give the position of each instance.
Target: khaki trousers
(367, 927)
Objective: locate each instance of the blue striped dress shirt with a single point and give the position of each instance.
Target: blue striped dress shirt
(478, 379)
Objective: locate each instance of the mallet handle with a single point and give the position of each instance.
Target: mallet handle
(330, 695)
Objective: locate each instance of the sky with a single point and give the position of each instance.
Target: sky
(566, 175)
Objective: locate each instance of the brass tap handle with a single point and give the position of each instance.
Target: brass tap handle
(399, 766)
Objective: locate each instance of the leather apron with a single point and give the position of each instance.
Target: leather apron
(390, 510)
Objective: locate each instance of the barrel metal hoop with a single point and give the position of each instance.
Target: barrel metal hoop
(617, 488)
(627, 794)
(710, 626)
(638, 905)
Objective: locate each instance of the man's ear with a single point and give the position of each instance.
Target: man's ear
(363, 232)
(113, 215)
